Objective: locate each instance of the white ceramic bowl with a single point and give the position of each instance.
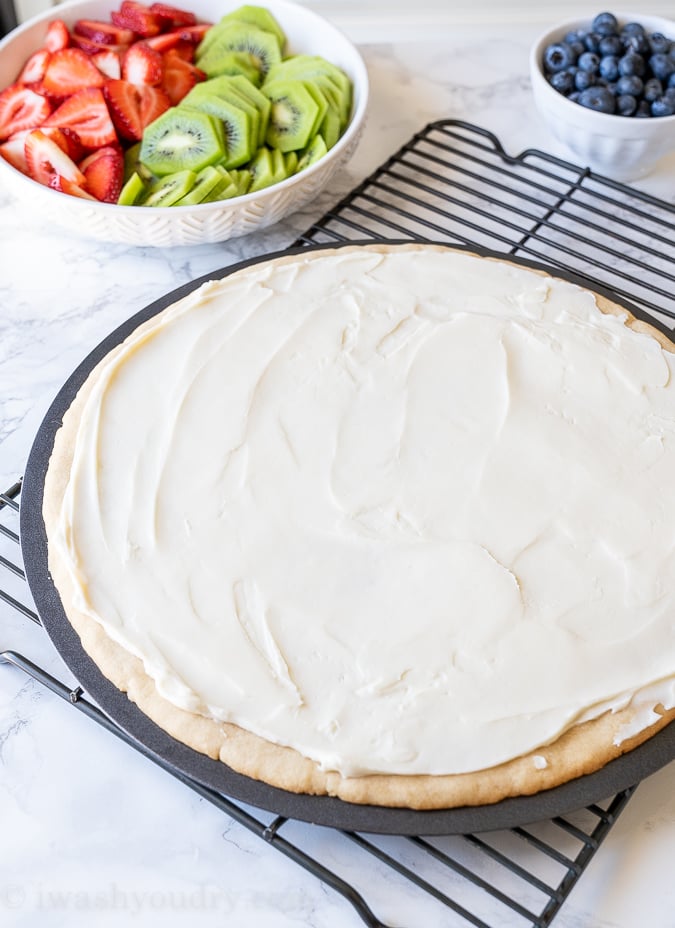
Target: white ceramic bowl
(208, 222)
(620, 147)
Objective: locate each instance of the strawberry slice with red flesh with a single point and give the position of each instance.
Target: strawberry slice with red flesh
(45, 158)
(21, 108)
(109, 64)
(13, 152)
(137, 17)
(134, 106)
(35, 67)
(57, 36)
(179, 77)
(86, 113)
(103, 33)
(92, 48)
(70, 70)
(104, 174)
(171, 16)
(193, 34)
(66, 186)
(143, 65)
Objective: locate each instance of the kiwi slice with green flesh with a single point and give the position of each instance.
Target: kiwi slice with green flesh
(316, 149)
(132, 191)
(182, 138)
(240, 142)
(246, 90)
(278, 162)
(263, 46)
(321, 72)
(207, 179)
(320, 100)
(231, 63)
(133, 164)
(257, 16)
(331, 127)
(166, 191)
(227, 88)
(291, 162)
(292, 117)
(262, 170)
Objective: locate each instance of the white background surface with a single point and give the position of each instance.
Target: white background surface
(94, 835)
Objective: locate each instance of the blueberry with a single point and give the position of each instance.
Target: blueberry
(653, 89)
(637, 43)
(589, 61)
(557, 57)
(662, 66)
(630, 85)
(605, 24)
(574, 97)
(592, 42)
(632, 65)
(598, 99)
(632, 29)
(644, 110)
(663, 107)
(609, 67)
(611, 45)
(584, 79)
(562, 81)
(670, 94)
(626, 104)
(659, 44)
(671, 80)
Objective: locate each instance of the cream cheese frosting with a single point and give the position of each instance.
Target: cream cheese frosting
(405, 511)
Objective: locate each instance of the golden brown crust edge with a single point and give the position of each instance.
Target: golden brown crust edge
(581, 750)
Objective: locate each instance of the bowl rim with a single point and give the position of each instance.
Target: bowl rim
(558, 31)
(359, 79)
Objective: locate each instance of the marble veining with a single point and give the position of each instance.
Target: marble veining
(93, 834)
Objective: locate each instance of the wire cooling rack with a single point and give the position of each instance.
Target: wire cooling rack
(452, 182)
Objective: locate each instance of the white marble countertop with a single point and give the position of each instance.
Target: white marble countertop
(93, 834)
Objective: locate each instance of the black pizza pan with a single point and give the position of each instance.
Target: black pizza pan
(619, 774)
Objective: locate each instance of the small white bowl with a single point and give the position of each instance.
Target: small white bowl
(207, 222)
(621, 147)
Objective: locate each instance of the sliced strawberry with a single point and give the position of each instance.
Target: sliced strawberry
(57, 36)
(163, 42)
(108, 63)
(70, 70)
(13, 152)
(179, 77)
(104, 174)
(103, 33)
(134, 106)
(86, 113)
(143, 65)
(138, 17)
(171, 16)
(21, 108)
(66, 186)
(66, 139)
(44, 158)
(193, 34)
(34, 69)
(92, 48)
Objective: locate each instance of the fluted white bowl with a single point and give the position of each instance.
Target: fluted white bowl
(621, 147)
(207, 222)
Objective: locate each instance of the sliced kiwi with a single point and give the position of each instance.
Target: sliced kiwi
(240, 141)
(132, 191)
(207, 179)
(133, 164)
(257, 16)
(316, 94)
(166, 191)
(234, 36)
(291, 162)
(316, 149)
(231, 63)
(330, 127)
(262, 170)
(292, 117)
(324, 74)
(246, 90)
(182, 138)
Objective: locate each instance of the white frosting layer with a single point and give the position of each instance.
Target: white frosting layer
(407, 513)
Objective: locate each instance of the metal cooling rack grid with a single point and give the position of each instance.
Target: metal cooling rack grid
(452, 182)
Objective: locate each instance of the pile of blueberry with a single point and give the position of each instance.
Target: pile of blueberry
(613, 68)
